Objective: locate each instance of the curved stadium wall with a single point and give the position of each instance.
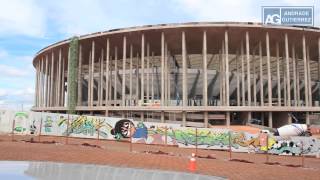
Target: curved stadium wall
(196, 74)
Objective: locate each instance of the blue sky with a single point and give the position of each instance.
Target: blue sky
(26, 26)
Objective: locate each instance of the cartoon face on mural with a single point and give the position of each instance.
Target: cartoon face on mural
(123, 129)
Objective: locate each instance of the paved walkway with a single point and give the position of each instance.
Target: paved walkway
(245, 166)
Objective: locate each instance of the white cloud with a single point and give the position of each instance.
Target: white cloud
(15, 65)
(12, 71)
(235, 10)
(226, 10)
(3, 92)
(23, 92)
(16, 80)
(21, 18)
(3, 53)
(76, 17)
(16, 98)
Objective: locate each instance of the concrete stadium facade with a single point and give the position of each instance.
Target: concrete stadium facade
(196, 74)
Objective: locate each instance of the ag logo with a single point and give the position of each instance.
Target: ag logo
(273, 19)
(271, 16)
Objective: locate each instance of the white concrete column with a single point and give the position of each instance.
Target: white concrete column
(254, 79)
(270, 119)
(54, 82)
(101, 78)
(318, 92)
(243, 90)
(220, 77)
(36, 95)
(115, 98)
(48, 85)
(238, 79)
(56, 78)
(205, 73)
(148, 72)
(165, 75)
(307, 118)
(51, 96)
(37, 85)
(124, 59)
(89, 78)
(223, 73)
(248, 72)
(295, 80)
(162, 69)
(92, 73)
(47, 81)
(184, 78)
(248, 68)
(205, 77)
(107, 72)
(288, 71)
(226, 43)
(152, 78)
(162, 117)
(228, 119)
(278, 74)
(99, 81)
(142, 67)
(298, 84)
(59, 77)
(41, 82)
(284, 81)
(63, 83)
(167, 86)
(269, 80)
(309, 77)
(184, 118)
(319, 61)
(137, 79)
(305, 70)
(269, 71)
(206, 121)
(130, 81)
(184, 71)
(261, 75)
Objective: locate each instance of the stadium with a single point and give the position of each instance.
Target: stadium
(196, 74)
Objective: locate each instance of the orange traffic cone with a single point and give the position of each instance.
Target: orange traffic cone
(192, 163)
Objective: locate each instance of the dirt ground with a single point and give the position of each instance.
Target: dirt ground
(124, 154)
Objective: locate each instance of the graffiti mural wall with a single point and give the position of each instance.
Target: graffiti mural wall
(110, 128)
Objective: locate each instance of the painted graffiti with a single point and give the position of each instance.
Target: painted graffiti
(20, 120)
(48, 124)
(155, 133)
(85, 125)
